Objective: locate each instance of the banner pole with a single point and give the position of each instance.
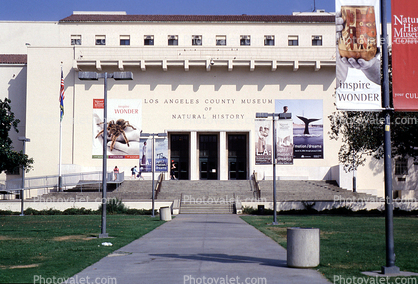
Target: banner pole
(390, 267)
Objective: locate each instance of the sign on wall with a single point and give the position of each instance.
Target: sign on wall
(404, 55)
(357, 56)
(308, 138)
(124, 127)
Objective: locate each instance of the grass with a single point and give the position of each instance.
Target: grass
(62, 245)
(350, 245)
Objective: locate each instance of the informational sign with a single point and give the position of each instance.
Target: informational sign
(357, 56)
(404, 55)
(123, 128)
(263, 142)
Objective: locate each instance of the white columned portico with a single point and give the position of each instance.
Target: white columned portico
(223, 156)
(194, 160)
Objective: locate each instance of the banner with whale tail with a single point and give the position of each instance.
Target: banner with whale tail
(357, 55)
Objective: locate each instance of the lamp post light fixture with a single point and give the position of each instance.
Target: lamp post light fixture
(274, 116)
(153, 162)
(96, 76)
(24, 140)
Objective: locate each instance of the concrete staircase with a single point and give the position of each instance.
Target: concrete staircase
(308, 190)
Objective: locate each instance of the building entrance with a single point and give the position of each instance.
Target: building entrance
(208, 157)
(180, 146)
(237, 156)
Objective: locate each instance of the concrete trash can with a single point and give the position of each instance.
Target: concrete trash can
(302, 247)
(165, 213)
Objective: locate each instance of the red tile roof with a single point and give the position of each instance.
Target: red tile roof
(198, 18)
(13, 58)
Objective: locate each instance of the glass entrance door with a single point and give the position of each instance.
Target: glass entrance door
(180, 155)
(208, 156)
(237, 156)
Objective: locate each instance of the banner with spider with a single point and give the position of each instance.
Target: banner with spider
(124, 121)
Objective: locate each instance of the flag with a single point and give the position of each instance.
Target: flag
(62, 96)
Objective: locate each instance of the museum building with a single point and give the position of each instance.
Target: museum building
(199, 79)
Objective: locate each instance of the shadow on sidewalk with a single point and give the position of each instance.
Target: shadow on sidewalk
(224, 258)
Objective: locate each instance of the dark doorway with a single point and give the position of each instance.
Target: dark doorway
(208, 156)
(180, 155)
(237, 156)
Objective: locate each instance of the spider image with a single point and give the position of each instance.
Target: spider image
(115, 129)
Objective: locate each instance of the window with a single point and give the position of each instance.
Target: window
(221, 40)
(100, 40)
(148, 40)
(125, 40)
(401, 167)
(316, 40)
(76, 40)
(269, 40)
(197, 40)
(245, 40)
(293, 40)
(173, 40)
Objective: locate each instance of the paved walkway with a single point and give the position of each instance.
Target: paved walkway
(200, 249)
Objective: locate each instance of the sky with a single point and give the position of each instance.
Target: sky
(55, 10)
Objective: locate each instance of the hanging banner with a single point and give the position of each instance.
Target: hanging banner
(308, 128)
(404, 55)
(161, 153)
(357, 56)
(123, 128)
(145, 154)
(263, 142)
(284, 140)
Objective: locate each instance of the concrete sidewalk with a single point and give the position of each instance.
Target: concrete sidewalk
(199, 249)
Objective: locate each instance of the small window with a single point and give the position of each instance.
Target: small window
(125, 40)
(100, 40)
(316, 40)
(401, 167)
(221, 40)
(293, 40)
(269, 40)
(173, 40)
(245, 40)
(76, 40)
(148, 40)
(197, 40)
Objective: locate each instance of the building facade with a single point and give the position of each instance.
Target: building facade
(200, 79)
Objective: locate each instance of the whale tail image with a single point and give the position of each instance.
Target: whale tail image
(307, 121)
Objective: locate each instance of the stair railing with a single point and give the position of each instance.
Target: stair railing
(159, 184)
(257, 189)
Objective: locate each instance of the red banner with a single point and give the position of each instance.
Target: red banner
(405, 55)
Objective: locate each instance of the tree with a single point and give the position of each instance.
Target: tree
(362, 133)
(10, 159)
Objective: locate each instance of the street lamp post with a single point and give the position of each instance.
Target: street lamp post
(24, 140)
(274, 115)
(153, 162)
(96, 76)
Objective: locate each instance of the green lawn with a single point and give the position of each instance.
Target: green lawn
(350, 245)
(61, 245)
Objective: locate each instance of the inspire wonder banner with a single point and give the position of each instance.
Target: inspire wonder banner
(404, 55)
(357, 56)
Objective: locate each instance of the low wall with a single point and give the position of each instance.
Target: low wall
(15, 205)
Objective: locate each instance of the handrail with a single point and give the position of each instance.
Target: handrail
(257, 189)
(159, 184)
(67, 180)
